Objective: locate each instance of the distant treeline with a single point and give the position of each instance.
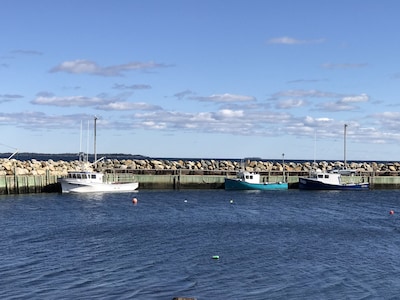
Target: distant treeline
(24, 156)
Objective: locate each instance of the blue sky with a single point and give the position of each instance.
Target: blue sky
(202, 79)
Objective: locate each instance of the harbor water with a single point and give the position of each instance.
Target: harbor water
(204, 244)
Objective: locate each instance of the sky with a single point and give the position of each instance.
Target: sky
(202, 79)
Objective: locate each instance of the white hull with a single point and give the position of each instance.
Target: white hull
(68, 186)
(92, 182)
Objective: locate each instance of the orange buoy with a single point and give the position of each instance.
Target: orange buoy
(134, 201)
(391, 212)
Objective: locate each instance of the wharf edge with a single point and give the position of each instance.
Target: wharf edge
(177, 179)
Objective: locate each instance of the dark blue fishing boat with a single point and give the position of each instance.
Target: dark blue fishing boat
(329, 181)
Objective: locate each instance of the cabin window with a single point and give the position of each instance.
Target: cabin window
(93, 176)
(249, 176)
(320, 176)
(326, 176)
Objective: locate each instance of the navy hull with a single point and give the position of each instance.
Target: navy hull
(311, 184)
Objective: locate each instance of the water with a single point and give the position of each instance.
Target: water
(271, 245)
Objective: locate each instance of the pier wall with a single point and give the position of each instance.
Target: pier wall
(24, 184)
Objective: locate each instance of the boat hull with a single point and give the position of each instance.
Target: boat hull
(73, 187)
(235, 184)
(310, 184)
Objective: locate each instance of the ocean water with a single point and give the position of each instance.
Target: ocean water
(271, 245)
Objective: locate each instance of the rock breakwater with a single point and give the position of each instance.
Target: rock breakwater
(60, 168)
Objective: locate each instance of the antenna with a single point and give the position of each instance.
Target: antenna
(87, 141)
(315, 144)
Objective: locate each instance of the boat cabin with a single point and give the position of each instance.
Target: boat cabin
(87, 176)
(249, 177)
(329, 178)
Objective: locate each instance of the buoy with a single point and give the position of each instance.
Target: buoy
(215, 257)
(391, 212)
(231, 201)
(185, 201)
(134, 201)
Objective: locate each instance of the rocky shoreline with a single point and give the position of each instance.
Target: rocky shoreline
(60, 168)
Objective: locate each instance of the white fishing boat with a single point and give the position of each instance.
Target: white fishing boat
(87, 180)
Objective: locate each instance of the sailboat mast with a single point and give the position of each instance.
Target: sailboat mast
(345, 129)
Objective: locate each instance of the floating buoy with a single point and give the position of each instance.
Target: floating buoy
(215, 257)
(134, 201)
(231, 201)
(391, 212)
(185, 201)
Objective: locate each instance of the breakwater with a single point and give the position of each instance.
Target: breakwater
(34, 176)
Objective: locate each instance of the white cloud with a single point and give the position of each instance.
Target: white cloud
(304, 94)
(183, 94)
(228, 113)
(336, 106)
(345, 103)
(124, 106)
(357, 98)
(225, 98)
(153, 125)
(285, 40)
(81, 66)
(131, 87)
(81, 101)
(290, 103)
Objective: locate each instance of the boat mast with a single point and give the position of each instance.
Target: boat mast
(345, 163)
(94, 143)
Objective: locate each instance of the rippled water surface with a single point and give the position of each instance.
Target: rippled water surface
(271, 245)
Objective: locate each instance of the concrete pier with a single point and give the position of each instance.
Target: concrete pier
(24, 184)
(33, 176)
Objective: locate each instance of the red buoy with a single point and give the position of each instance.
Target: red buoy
(134, 201)
(391, 212)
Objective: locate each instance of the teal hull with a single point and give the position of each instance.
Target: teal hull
(234, 184)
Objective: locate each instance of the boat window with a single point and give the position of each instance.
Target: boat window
(320, 176)
(249, 176)
(93, 176)
(326, 176)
